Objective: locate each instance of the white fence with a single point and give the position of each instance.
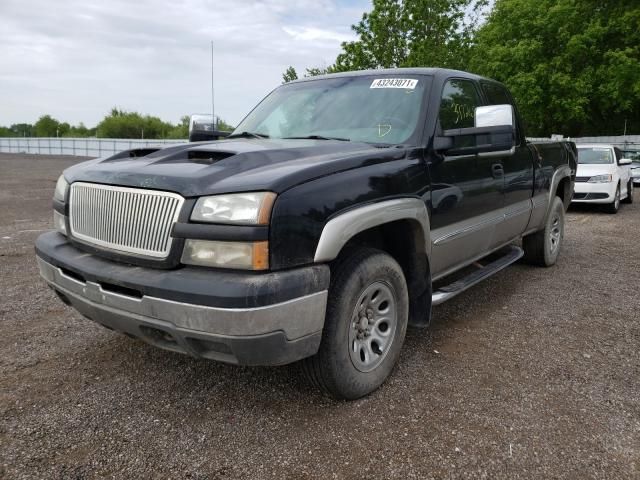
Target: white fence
(98, 147)
(630, 142)
(85, 147)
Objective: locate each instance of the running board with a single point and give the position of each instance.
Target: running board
(512, 255)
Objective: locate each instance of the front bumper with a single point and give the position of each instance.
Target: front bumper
(585, 192)
(244, 318)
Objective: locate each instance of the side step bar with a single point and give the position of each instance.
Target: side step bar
(512, 255)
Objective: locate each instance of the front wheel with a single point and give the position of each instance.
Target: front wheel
(629, 198)
(365, 325)
(543, 247)
(615, 205)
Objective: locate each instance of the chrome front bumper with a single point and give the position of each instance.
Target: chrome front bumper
(267, 335)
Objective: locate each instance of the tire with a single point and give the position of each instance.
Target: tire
(543, 247)
(358, 352)
(629, 198)
(615, 205)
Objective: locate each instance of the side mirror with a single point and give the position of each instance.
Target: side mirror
(494, 116)
(494, 132)
(625, 161)
(202, 127)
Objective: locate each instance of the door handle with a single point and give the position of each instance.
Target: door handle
(497, 170)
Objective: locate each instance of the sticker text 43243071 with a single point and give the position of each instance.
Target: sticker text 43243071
(405, 83)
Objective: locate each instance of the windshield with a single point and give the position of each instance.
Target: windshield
(595, 155)
(377, 109)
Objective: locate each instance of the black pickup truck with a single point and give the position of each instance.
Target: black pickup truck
(339, 211)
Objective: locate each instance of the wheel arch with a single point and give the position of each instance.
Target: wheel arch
(398, 227)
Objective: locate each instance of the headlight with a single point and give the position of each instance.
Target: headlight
(60, 192)
(237, 208)
(60, 222)
(242, 255)
(601, 179)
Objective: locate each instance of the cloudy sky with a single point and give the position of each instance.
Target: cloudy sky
(76, 59)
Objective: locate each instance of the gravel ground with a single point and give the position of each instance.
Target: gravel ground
(531, 374)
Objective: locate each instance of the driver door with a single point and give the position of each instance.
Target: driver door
(467, 194)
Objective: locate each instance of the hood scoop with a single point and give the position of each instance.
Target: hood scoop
(207, 157)
(132, 153)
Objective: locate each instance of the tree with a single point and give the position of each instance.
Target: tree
(289, 75)
(117, 124)
(573, 66)
(22, 130)
(46, 126)
(224, 126)
(412, 33)
(122, 124)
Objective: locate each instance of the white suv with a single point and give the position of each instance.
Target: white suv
(603, 176)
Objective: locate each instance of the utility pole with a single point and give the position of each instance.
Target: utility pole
(213, 110)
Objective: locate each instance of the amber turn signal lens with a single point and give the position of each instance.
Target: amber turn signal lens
(261, 255)
(264, 215)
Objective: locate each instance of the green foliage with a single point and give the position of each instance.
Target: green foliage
(7, 132)
(46, 126)
(118, 124)
(412, 33)
(573, 66)
(21, 130)
(289, 75)
(122, 124)
(224, 126)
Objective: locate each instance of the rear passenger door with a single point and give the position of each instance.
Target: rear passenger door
(466, 191)
(518, 171)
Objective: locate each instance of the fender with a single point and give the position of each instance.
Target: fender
(340, 229)
(562, 172)
(541, 204)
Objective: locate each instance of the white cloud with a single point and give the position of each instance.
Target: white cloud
(311, 34)
(76, 59)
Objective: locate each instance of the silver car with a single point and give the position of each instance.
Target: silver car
(634, 155)
(635, 171)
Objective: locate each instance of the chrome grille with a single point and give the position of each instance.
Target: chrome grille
(130, 220)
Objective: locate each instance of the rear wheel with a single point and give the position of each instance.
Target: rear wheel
(543, 247)
(629, 198)
(615, 205)
(365, 326)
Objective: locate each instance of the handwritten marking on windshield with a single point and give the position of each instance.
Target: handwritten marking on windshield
(383, 129)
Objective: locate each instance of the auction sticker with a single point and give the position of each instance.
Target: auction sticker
(406, 83)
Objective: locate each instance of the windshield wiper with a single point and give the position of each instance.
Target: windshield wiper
(317, 137)
(248, 135)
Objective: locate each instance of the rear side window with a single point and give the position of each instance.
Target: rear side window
(458, 104)
(496, 94)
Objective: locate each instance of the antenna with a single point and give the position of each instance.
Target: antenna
(213, 110)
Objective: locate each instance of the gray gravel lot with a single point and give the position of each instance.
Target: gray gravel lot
(531, 374)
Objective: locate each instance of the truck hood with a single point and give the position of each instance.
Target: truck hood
(235, 165)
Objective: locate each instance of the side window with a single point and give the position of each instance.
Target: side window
(618, 154)
(457, 107)
(496, 94)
